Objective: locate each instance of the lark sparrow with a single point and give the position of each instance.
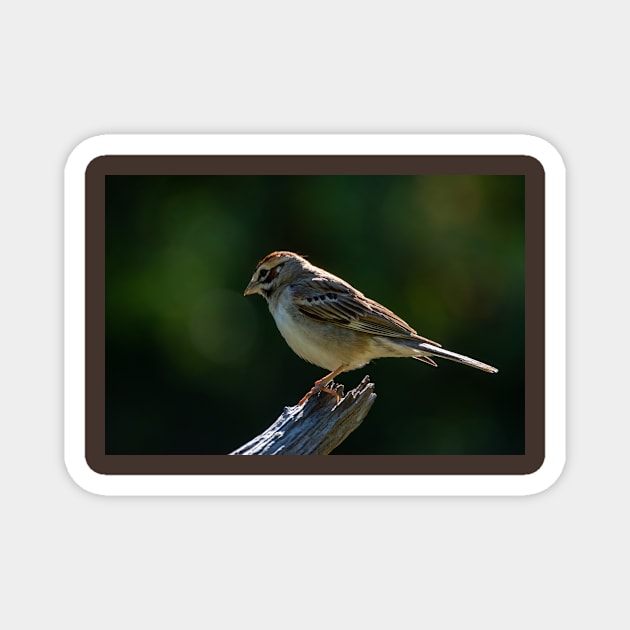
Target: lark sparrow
(326, 321)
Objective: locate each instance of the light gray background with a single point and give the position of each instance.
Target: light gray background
(72, 70)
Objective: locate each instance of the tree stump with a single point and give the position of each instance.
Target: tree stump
(318, 426)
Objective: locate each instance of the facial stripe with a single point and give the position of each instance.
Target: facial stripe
(270, 276)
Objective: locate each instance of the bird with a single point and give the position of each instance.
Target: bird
(329, 323)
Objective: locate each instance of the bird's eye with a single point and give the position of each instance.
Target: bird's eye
(263, 273)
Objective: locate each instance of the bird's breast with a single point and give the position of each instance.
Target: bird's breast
(324, 345)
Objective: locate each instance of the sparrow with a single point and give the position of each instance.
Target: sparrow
(329, 323)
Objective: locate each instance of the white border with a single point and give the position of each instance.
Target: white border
(315, 485)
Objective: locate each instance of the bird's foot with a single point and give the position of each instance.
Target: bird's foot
(320, 386)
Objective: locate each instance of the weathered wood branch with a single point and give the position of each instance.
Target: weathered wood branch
(317, 427)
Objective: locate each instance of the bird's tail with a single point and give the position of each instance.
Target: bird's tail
(436, 351)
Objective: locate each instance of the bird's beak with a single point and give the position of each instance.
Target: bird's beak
(251, 288)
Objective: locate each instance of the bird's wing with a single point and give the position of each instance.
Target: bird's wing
(336, 302)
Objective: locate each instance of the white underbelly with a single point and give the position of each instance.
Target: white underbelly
(310, 341)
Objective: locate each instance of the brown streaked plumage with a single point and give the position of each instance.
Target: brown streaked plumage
(329, 323)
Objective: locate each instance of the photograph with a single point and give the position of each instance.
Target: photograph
(236, 292)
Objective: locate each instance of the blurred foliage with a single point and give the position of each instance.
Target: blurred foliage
(193, 367)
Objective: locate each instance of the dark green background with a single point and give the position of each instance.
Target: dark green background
(194, 367)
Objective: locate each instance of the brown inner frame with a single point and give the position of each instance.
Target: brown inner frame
(534, 454)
